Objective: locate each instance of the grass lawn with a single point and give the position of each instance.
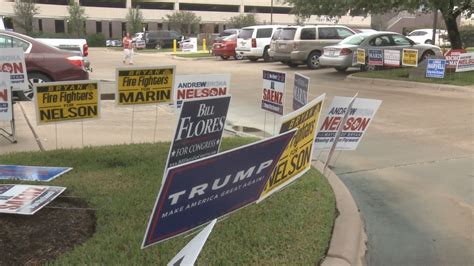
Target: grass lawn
(195, 55)
(460, 79)
(470, 49)
(291, 227)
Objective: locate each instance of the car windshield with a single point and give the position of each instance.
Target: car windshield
(287, 34)
(276, 35)
(246, 33)
(418, 33)
(229, 37)
(355, 39)
(226, 33)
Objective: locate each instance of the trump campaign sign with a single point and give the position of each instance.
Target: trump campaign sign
(6, 105)
(200, 86)
(273, 94)
(197, 192)
(360, 116)
(12, 61)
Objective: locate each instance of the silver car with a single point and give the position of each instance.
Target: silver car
(343, 55)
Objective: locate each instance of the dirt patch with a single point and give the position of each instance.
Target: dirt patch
(55, 229)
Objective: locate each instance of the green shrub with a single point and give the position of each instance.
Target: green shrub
(467, 35)
(96, 40)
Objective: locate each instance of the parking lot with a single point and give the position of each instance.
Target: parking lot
(411, 176)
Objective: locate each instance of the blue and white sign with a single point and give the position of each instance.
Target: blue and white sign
(375, 57)
(435, 68)
(200, 191)
(300, 91)
(31, 173)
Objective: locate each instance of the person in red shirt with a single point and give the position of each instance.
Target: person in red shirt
(127, 49)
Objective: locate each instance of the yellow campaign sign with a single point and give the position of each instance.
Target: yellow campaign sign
(144, 85)
(296, 159)
(67, 101)
(410, 57)
(360, 56)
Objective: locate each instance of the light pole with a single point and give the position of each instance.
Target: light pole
(435, 22)
(271, 13)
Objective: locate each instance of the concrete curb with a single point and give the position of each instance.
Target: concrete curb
(348, 242)
(411, 84)
(193, 59)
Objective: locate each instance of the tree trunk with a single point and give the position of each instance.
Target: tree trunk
(453, 31)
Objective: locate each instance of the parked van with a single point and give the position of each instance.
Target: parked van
(254, 42)
(299, 45)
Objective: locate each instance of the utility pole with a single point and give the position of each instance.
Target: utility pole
(271, 13)
(435, 22)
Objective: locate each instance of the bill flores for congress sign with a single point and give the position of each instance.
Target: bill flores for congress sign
(200, 191)
(66, 101)
(144, 85)
(296, 158)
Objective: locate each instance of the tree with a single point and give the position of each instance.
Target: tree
(25, 10)
(450, 10)
(77, 19)
(134, 20)
(185, 22)
(241, 21)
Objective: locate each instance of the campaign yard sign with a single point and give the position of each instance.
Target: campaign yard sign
(31, 173)
(391, 58)
(188, 87)
(465, 62)
(66, 101)
(296, 158)
(359, 119)
(410, 57)
(26, 199)
(12, 61)
(144, 85)
(273, 94)
(452, 57)
(376, 57)
(361, 56)
(6, 106)
(199, 130)
(435, 68)
(197, 192)
(300, 91)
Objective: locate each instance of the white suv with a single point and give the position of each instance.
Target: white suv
(254, 42)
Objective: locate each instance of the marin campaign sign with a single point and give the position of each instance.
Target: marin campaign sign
(26, 199)
(391, 58)
(31, 173)
(410, 57)
(200, 86)
(67, 101)
(199, 130)
(12, 61)
(435, 68)
(360, 116)
(300, 91)
(465, 62)
(144, 85)
(273, 95)
(296, 159)
(376, 57)
(200, 191)
(6, 105)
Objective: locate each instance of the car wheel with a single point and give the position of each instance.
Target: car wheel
(32, 79)
(426, 55)
(313, 60)
(224, 57)
(292, 65)
(238, 57)
(341, 69)
(266, 56)
(428, 42)
(252, 58)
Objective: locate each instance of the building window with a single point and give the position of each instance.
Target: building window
(216, 28)
(98, 26)
(52, 2)
(40, 24)
(160, 26)
(110, 29)
(206, 7)
(267, 9)
(59, 25)
(154, 5)
(104, 3)
(124, 28)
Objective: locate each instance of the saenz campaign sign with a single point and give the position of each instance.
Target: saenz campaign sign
(391, 58)
(12, 60)
(300, 91)
(144, 85)
(273, 94)
(435, 68)
(31, 173)
(465, 62)
(26, 199)
(360, 116)
(6, 106)
(200, 86)
(200, 191)
(296, 159)
(375, 57)
(199, 130)
(67, 101)
(410, 57)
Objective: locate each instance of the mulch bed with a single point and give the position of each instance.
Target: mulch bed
(55, 229)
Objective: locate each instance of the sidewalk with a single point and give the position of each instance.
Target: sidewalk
(25, 138)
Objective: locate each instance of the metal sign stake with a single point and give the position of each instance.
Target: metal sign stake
(10, 136)
(133, 118)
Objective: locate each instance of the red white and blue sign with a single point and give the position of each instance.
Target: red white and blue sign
(435, 68)
(31, 173)
(375, 57)
(200, 191)
(273, 94)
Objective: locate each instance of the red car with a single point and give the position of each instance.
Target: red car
(44, 63)
(225, 47)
